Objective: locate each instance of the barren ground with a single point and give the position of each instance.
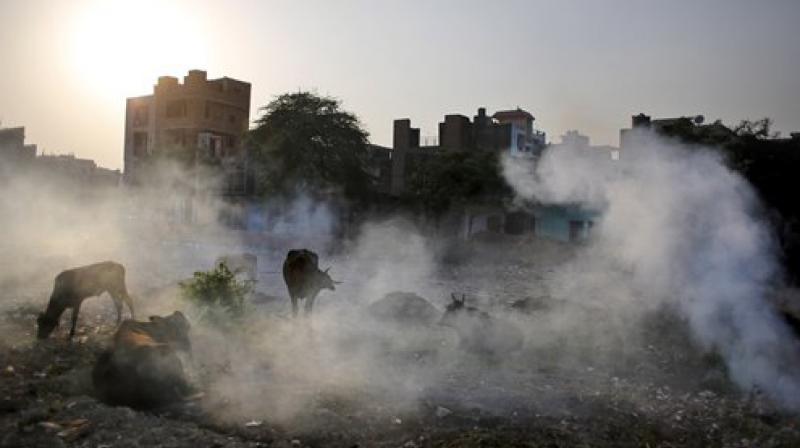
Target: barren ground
(659, 391)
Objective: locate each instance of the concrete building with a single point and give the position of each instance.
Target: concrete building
(510, 131)
(200, 119)
(79, 172)
(575, 140)
(686, 126)
(14, 153)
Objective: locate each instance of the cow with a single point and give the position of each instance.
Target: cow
(142, 369)
(303, 278)
(479, 332)
(73, 286)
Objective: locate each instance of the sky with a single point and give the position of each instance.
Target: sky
(68, 65)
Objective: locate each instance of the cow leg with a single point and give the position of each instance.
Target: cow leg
(294, 307)
(119, 297)
(309, 305)
(118, 307)
(75, 310)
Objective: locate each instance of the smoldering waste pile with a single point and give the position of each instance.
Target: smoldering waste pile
(650, 335)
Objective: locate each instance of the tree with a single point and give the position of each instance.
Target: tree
(456, 177)
(758, 129)
(306, 142)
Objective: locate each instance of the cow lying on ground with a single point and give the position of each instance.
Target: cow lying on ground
(303, 278)
(142, 369)
(480, 333)
(74, 285)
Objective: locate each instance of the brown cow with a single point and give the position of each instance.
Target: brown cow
(74, 285)
(142, 369)
(303, 278)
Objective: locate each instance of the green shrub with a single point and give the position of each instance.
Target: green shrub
(219, 295)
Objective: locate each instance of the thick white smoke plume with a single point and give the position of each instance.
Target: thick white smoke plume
(676, 228)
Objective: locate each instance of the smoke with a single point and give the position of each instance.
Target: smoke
(677, 228)
(284, 369)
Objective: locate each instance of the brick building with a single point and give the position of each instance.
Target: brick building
(14, 153)
(199, 119)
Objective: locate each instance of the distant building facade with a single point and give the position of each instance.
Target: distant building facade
(511, 131)
(200, 119)
(14, 153)
(575, 140)
(691, 126)
(18, 158)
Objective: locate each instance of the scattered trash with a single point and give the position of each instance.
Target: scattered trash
(442, 412)
(75, 429)
(397, 421)
(254, 423)
(50, 426)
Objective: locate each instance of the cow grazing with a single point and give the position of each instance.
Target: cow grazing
(142, 369)
(74, 285)
(303, 278)
(479, 332)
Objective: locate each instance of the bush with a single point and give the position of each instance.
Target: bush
(219, 294)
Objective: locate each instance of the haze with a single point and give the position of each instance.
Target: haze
(68, 65)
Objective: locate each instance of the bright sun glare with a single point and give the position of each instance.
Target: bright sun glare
(120, 48)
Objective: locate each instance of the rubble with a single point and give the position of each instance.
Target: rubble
(538, 400)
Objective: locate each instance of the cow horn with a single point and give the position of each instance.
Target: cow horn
(326, 270)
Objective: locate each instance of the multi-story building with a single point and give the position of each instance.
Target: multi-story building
(14, 153)
(692, 126)
(575, 140)
(511, 131)
(200, 119)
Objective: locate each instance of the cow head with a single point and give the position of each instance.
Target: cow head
(324, 280)
(45, 325)
(453, 310)
(172, 330)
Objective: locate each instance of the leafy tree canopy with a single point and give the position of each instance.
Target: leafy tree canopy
(306, 142)
(456, 177)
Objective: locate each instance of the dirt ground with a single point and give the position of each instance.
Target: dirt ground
(660, 393)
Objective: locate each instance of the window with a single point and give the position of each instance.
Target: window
(140, 116)
(139, 144)
(176, 109)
